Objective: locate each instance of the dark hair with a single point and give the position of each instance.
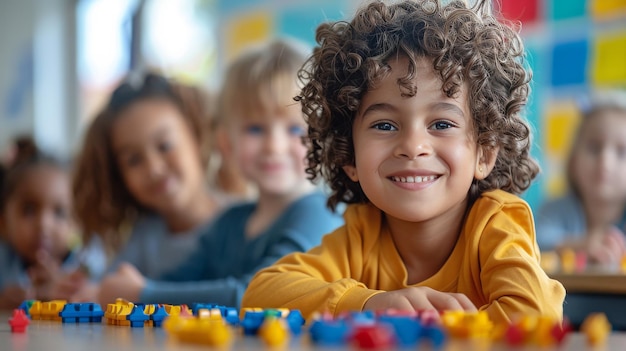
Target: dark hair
(14, 174)
(102, 201)
(466, 45)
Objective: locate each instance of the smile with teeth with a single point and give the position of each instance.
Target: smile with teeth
(417, 179)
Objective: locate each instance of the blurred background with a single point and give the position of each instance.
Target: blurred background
(59, 59)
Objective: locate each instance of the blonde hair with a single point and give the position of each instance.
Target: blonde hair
(259, 79)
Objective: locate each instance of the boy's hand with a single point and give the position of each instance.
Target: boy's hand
(125, 283)
(419, 299)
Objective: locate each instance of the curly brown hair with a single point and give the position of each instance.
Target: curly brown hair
(103, 203)
(467, 45)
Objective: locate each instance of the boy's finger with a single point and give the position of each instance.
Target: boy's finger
(443, 301)
(465, 302)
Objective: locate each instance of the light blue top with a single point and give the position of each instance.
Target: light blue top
(225, 261)
(153, 249)
(562, 219)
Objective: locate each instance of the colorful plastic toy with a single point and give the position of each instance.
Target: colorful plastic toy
(597, 328)
(81, 313)
(273, 331)
(19, 321)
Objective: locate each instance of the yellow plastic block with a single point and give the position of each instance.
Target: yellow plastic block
(597, 328)
(273, 331)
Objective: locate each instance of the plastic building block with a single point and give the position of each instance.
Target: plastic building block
(19, 321)
(195, 330)
(158, 316)
(434, 334)
(81, 313)
(25, 306)
(560, 331)
(376, 336)
(407, 329)
(47, 310)
(428, 317)
(515, 335)
(597, 328)
(273, 331)
(568, 260)
(252, 321)
(230, 314)
(137, 318)
(117, 313)
(465, 325)
(329, 332)
(295, 321)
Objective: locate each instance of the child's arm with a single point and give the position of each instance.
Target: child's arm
(214, 272)
(323, 279)
(11, 296)
(512, 280)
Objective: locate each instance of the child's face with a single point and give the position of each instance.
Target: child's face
(37, 215)
(158, 156)
(269, 150)
(415, 157)
(599, 159)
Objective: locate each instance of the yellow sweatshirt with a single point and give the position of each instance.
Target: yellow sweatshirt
(495, 263)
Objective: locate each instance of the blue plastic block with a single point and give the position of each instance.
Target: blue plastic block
(407, 329)
(137, 316)
(329, 333)
(295, 321)
(252, 321)
(158, 316)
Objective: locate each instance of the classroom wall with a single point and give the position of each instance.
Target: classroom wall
(37, 72)
(17, 25)
(574, 47)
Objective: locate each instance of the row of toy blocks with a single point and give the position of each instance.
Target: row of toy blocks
(230, 314)
(125, 313)
(208, 327)
(60, 310)
(253, 319)
(376, 330)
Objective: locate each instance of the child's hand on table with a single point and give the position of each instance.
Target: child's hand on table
(607, 247)
(419, 299)
(127, 283)
(49, 281)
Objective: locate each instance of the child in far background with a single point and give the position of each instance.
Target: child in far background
(264, 127)
(140, 184)
(414, 115)
(40, 242)
(591, 217)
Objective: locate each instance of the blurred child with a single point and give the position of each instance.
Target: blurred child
(265, 127)
(36, 219)
(591, 217)
(414, 115)
(142, 169)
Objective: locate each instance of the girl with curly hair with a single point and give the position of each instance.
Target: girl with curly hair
(140, 180)
(414, 114)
